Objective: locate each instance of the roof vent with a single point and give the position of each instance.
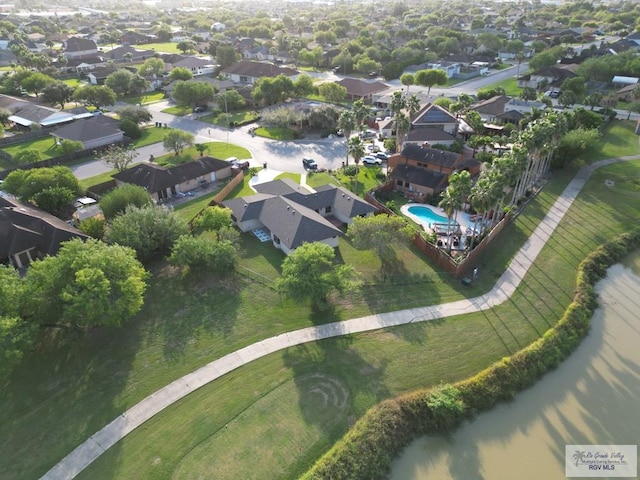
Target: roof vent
(293, 212)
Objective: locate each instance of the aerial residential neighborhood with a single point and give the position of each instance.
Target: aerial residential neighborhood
(318, 239)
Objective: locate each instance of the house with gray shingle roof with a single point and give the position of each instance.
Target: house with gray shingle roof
(249, 72)
(93, 132)
(293, 215)
(360, 90)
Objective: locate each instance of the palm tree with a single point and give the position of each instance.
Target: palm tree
(356, 149)
(448, 204)
(401, 124)
(360, 111)
(398, 103)
(413, 106)
(347, 123)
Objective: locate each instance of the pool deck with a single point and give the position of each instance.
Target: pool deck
(462, 218)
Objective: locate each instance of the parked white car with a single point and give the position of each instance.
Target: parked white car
(371, 160)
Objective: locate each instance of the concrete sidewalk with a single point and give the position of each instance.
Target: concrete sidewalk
(98, 443)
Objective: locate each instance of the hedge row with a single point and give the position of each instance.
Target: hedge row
(367, 450)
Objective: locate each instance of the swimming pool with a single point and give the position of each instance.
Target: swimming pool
(426, 215)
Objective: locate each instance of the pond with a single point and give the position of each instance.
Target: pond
(592, 398)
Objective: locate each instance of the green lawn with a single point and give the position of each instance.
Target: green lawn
(177, 111)
(75, 82)
(321, 178)
(510, 86)
(151, 135)
(97, 179)
(145, 98)
(291, 176)
(46, 147)
(619, 140)
(275, 133)
(189, 321)
(220, 150)
(167, 47)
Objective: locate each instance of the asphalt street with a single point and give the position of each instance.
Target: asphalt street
(287, 156)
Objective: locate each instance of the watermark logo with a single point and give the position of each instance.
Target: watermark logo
(620, 461)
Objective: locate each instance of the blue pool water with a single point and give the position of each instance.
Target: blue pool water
(427, 215)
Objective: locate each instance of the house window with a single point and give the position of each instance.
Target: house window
(328, 209)
(244, 79)
(406, 184)
(399, 183)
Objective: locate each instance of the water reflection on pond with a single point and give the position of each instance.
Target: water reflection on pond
(592, 398)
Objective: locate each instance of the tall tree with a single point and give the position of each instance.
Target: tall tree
(151, 230)
(57, 93)
(407, 79)
(152, 66)
(97, 96)
(430, 77)
(119, 157)
(356, 149)
(311, 273)
(380, 233)
(85, 284)
(117, 200)
(347, 123)
(178, 140)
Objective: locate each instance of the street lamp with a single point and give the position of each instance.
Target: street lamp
(227, 113)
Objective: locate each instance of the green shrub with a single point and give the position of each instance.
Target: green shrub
(130, 129)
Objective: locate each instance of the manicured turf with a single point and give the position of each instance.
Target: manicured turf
(510, 86)
(189, 321)
(46, 147)
(275, 133)
(219, 150)
(145, 98)
(167, 47)
(97, 179)
(177, 111)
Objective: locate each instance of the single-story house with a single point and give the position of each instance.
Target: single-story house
(360, 90)
(621, 80)
(94, 132)
(118, 54)
(76, 47)
(552, 76)
(98, 75)
(197, 66)
(290, 215)
(627, 93)
(28, 233)
(490, 108)
(44, 116)
(248, 72)
(163, 183)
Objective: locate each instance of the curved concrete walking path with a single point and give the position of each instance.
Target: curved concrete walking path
(98, 443)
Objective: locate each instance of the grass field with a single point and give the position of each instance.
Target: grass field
(46, 147)
(275, 133)
(510, 86)
(166, 47)
(188, 321)
(220, 150)
(145, 98)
